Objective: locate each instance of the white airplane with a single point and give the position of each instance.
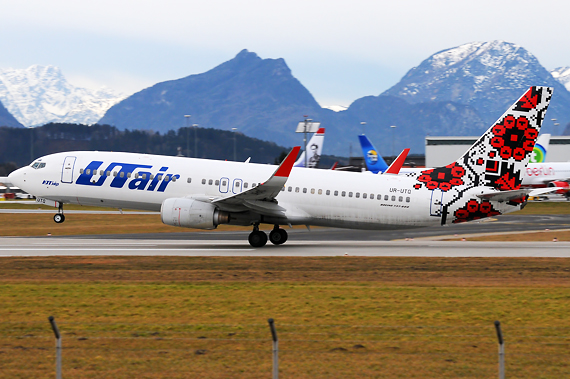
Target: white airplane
(199, 193)
(540, 173)
(315, 148)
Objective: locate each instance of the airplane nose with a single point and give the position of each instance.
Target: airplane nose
(18, 177)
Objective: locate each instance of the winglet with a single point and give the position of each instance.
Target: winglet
(285, 167)
(398, 163)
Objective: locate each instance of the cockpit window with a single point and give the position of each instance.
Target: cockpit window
(38, 165)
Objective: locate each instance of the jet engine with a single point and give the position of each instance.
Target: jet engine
(191, 213)
(564, 188)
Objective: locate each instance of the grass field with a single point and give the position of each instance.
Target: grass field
(337, 317)
(343, 317)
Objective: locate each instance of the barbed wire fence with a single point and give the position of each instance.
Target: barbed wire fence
(305, 350)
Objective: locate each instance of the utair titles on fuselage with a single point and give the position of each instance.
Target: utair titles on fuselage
(140, 181)
(199, 193)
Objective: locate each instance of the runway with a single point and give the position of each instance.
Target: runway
(421, 242)
(26, 247)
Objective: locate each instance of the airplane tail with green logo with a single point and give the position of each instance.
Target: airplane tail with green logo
(538, 154)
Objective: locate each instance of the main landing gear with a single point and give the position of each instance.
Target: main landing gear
(257, 238)
(59, 217)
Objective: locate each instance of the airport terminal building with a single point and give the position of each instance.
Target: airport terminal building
(441, 151)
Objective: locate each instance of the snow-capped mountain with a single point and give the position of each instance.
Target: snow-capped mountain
(41, 94)
(562, 74)
(484, 75)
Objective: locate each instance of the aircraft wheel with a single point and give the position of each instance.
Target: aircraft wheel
(278, 236)
(59, 218)
(257, 238)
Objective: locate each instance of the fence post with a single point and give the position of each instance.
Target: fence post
(501, 350)
(275, 349)
(57, 347)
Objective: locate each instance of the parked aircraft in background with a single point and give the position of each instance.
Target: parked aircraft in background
(315, 149)
(540, 149)
(200, 193)
(547, 174)
(374, 161)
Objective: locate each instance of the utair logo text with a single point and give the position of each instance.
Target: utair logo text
(139, 176)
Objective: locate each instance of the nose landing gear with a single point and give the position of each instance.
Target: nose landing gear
(59, 217)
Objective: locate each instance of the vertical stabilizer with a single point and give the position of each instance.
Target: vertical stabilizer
(496, 162)
(315, 148)
(538, 154)
(499, 157)
(373, 159)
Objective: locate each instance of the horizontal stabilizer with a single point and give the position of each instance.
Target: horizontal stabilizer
(502, 196)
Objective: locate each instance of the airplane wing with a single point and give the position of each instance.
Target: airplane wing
(260, 198)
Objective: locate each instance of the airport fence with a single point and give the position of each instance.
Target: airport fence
(306, 350)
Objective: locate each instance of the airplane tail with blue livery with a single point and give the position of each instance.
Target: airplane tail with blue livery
(374, 161)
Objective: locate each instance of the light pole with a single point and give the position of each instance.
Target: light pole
(363, 123)
(195, 126)
(187, 117)
(234, 131)
(393, 127)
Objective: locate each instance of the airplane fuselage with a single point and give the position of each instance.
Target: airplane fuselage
(311, 197)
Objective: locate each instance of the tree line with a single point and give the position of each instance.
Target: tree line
(20, 146)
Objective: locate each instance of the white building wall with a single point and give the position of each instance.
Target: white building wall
(441, 151)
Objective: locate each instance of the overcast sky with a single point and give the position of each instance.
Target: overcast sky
(339, 50)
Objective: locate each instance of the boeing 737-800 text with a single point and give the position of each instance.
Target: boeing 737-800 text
(198, 193)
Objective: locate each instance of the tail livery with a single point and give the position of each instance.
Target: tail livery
(373, 159)
(540, 148)
(314, 148)
(493, 168)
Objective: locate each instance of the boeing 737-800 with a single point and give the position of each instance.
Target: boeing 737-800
(198, 193)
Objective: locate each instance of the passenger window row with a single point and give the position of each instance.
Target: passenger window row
(224, 183)
(350, 194)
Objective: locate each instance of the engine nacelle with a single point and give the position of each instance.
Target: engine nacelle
(564, 187)
(189, 213)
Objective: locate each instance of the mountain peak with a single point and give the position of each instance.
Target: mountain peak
(246, 54)
(484, 75)
(562, 74)
(41, 94)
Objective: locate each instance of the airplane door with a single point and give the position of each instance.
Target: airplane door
(224, 183)
(67, 170)
(237, 186)
(436, 204)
